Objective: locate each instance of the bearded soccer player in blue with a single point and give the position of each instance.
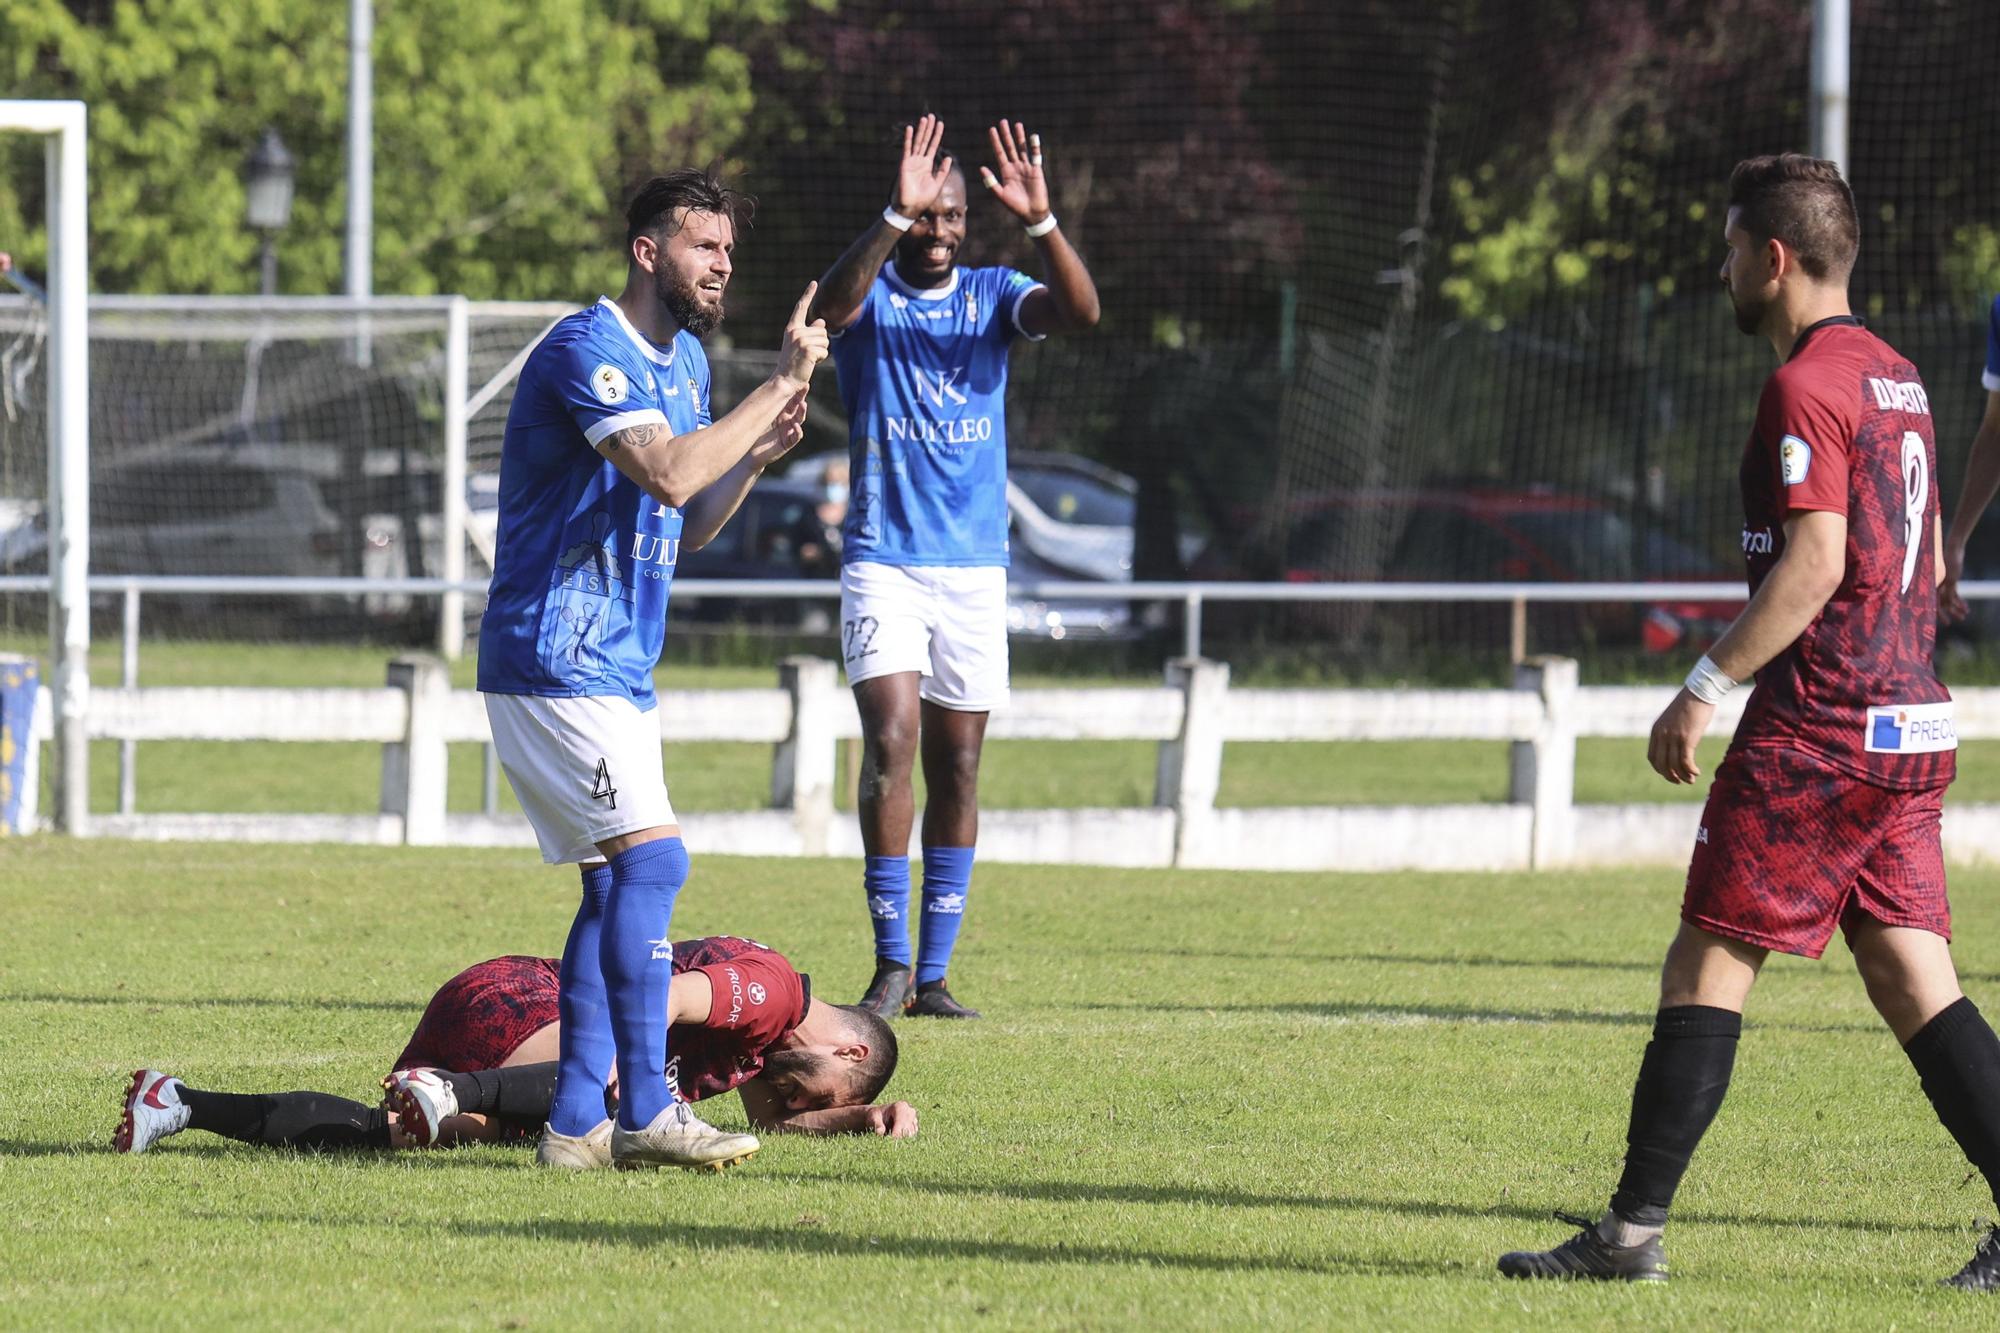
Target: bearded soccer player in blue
(921, 349)
(609, 468)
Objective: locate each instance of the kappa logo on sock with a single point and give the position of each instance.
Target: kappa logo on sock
(662, 949)
(882, 908)
(946, 904)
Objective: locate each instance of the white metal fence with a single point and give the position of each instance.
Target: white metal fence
(1191, 717)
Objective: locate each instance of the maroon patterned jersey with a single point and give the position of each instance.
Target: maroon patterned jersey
(1845, 426)
(757, 999)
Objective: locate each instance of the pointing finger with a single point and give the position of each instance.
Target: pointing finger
(805, 304)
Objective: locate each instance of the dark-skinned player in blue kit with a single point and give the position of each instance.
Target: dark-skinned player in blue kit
(921, 347)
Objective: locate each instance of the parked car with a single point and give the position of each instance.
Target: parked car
(282, 510)
(1070, 519)
(1478, 535)
(1079, 513)
(24, 534)
(760, 541)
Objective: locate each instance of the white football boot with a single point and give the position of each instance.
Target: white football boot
(678, 1137)
(578, 1152)
(422, 1101)
(153, 1110)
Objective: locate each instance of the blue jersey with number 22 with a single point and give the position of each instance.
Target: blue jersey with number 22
(924, 376)
(578, 603)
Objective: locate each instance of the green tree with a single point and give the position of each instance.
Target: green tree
(505, 135)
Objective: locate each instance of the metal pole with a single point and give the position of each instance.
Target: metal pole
(1191, 626)
(1517, 631)
(1831, 39)
(69, 465)
(457, 374)
(267, 258)
(128, 750)
(361, 164)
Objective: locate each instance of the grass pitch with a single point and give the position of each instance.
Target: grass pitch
(1198, 1099)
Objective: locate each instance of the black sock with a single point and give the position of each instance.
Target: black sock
(1958, 1059)
(1681, 1085)
(519, 1094)
(314, 1120)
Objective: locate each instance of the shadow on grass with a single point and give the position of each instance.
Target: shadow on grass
(1075, 1191)
(43, 1148)
(1403, 959)
(815, 1243)
(1389, 1015)
(1439, 960)
(207, 1148)
(213, 1002)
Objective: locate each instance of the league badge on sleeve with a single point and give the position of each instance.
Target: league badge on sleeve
(1795, 458)
(609, 384)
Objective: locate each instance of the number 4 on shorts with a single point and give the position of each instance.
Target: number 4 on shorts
(601, 788)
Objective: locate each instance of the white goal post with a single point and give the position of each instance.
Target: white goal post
(63, 125)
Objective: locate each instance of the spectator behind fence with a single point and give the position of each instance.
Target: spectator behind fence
(816, 533)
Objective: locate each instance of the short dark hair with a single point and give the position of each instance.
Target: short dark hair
(664, 201)
(1803, 202)
(868, 1077)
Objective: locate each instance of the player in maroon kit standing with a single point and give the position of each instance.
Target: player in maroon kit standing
(1825, 810)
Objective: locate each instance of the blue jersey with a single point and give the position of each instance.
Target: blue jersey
(1991, 379)
(924, 377)
(578, 603)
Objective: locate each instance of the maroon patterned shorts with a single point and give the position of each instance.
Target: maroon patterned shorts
(1790, 847)
(482, 1015)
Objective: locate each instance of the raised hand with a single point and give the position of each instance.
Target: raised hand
(1016, 178)
(805, 344)
(779, 437)
(920, 178)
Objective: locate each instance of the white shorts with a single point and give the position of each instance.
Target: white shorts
(584, 769)
(946, 622)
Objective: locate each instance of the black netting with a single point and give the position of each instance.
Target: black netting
(1391, 291)
(1410, 291)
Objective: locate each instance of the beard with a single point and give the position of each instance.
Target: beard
(1750, 313)
(683, 301)
(794, 1063)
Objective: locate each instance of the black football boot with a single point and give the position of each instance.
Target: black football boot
(1587, 1255)
(889, 991)
(932, 1000)
(1982, 1271)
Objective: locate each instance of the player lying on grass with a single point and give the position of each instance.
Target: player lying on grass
(480, 1066)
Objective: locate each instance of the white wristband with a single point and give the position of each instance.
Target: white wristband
(1707, 683)
(897, 220)
(1042, 228)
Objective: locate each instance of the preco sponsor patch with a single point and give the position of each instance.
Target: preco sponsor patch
(1911, 729)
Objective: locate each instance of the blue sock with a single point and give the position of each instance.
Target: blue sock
(638, 963)
(586, 1048)
(887, 881)
(947, 879)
